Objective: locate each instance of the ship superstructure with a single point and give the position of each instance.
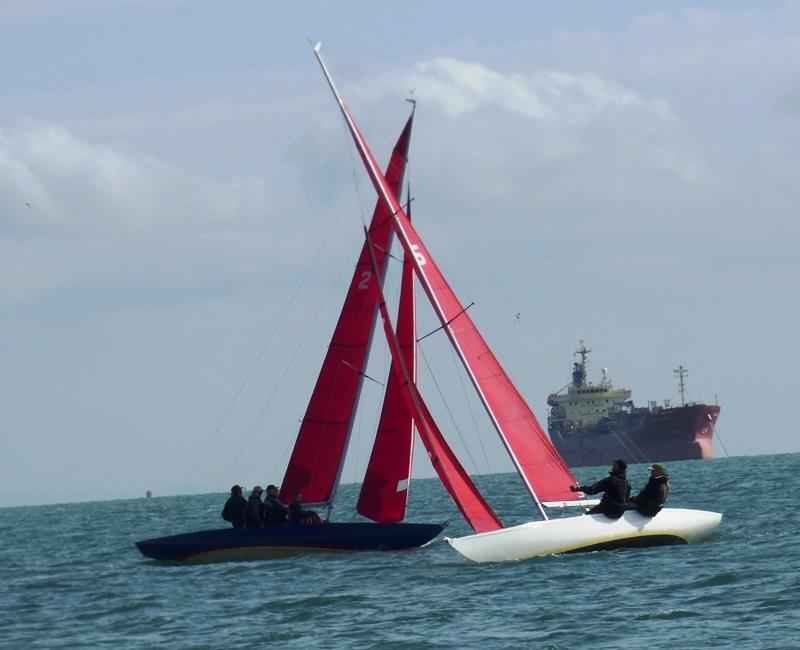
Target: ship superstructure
(593, 424)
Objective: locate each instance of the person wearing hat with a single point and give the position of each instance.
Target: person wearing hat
(253, 517)
(653, 495)
(234, 507)
(615, 489)
(274, 510)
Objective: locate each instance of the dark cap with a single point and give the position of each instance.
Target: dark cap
(271, 487)
(621, 464)
(236, 488)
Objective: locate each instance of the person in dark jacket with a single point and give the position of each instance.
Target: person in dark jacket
(234, 507)
(299, 516)
(653, 495)
(615, 489)
(253, 513)
(274, 510)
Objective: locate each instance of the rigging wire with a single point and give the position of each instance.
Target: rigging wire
(487, 329)
(286, 310)
(363, 374)
(499, 289)
(360, 439)
(447, 406)
(357, 192)
(310, 327)
(281, 437)
(264, 347)
(356, 99)
(619, 434)
(593, 444)
(458, 370)
(722, 444)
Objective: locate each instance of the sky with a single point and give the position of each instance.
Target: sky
(181, 207)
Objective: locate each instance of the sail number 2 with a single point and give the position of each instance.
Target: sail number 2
(366, 276)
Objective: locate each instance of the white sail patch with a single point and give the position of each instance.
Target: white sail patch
(402, 485)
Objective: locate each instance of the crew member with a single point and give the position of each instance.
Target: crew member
(234, 507)
(615, 489)
(653, 495)
(274, 510)
(253, 517)
(299, 516)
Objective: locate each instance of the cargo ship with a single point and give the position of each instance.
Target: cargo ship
(594, 424)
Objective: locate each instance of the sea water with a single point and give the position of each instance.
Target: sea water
(71, 577)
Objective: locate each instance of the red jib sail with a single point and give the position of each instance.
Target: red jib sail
(453, 476)
(317, 459)
(384, 493)
(544, 473)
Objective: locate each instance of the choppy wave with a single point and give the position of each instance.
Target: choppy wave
(73, 579)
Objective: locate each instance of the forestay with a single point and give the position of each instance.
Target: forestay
(544, 473)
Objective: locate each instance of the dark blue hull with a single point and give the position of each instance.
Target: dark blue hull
(232, 544)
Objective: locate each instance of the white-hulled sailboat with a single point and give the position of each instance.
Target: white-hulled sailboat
(544, 473)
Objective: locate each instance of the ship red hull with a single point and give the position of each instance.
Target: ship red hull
(680, 433)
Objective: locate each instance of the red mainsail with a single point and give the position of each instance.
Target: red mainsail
(544, 473)
(384, 492)
(318, 456)
(453, 476)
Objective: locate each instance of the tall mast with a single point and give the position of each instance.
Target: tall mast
(583, 351)
(680, 372)
(527, 444)
(385, 489)
(315, 465)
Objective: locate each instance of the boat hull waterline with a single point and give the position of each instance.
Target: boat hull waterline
(237, 544)
(588, 533)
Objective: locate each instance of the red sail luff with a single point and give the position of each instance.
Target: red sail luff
(453, 476)
(384, 492)
(539, 464)
(318, 455)
(543, 471)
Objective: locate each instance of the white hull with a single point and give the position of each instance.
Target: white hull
(587, 533)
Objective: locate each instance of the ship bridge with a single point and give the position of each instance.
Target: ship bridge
(585, 403)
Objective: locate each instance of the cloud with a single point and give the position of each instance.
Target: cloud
(69, 183)
(102, 222)
(543, 140)
(459, 87)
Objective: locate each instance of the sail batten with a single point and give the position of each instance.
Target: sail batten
(542, 470)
